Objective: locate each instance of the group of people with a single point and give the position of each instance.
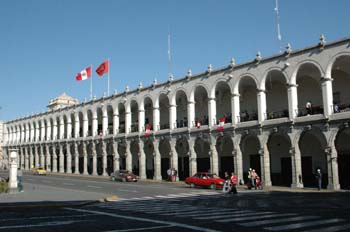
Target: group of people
(230, 185)
(172, 173)
(253, 180)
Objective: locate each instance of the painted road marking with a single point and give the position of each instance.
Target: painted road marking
(305, 224)
(235, 215)
(260, 217)
(48, 217)
(197, 228)
(331, 229)
(43, 224)
(142, 229)
(68, 184)
(93, 186)
(272, 221)
(47, 181)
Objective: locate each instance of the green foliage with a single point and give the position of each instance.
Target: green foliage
(3, 187)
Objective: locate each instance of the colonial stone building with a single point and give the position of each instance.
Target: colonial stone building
(285, 116)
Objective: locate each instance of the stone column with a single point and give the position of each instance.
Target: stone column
(22, 158)
(105, 123)
(42, 157)
(61, 135)
(172, 117)
(191, 114)
(292, 101)
(174, 157)
(128, 156)
(193, 157)
(238, 161)
(127, 122)
(332, 165)
(76, 125)
(76, 158)
(69, 159)
(156, 119)
(116, 157)
(36, 155)
(212, 112)
(85, 156)
(296, 167)
(157, 161)
(327, 95)
(265, 164)
(54, 158)
(55, 129)
(214, 158)
(26, 161)
(142, 160)
(85, 125)
(141, 121)
(61, 157)
(235, 109)
(261, 105)
(48, 159)
(42, 132)
(69, 134)
(94, 158)
(94, 124)
(104, 158)
(115, 123)
(31, 157)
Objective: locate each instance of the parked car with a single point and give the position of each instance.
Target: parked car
(205, 179)
(39, 171)
(124, 175)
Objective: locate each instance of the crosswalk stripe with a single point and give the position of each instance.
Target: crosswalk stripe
(301, 225)
(331, 229)
(184, 211)
(273, 221)
(194, 212)
(208, 212)
(260, 217)
(236, 215)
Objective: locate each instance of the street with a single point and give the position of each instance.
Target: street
(148, 206)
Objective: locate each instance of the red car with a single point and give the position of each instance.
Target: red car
(124, 175)
(205, 179)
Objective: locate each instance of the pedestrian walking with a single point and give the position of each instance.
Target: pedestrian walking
(168, 172)
(227, 183)
(319, 178)
(254, 175)
(234, 181)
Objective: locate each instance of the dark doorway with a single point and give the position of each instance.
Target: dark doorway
(307, 175)
(165, 164)
(81, 164)
(227, 165)
(286, 171)
(109, 164)
(255, 163)
(203, 164)
(122, 163)
(343, 170)
(184, 167)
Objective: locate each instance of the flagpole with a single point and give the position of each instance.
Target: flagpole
(91, 83)
(109, 68)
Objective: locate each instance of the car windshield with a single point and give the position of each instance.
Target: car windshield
(212, 176)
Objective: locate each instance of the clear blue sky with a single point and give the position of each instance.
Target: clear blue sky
(44, 43)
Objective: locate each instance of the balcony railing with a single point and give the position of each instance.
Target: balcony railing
(340, 108)
(245, 116)
(276, 114)
(309, 111)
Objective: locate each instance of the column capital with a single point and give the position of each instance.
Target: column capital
(291, 85)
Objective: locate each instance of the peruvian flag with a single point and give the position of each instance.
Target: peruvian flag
(148, 130)
(103, 68)
(221, 124)
(83, 75)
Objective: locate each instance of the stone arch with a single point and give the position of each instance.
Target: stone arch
(135, 151)
(222, 94)
(293, 78)
(165, 163)
(339, 71)
(312, 144)
(181, 102)
(148, 107)
(149, 153)
(200, 97)
(224, 146)
(122, 119)
(279, 145)
(202, 148)
(239, 79)
(110, 116)
(250, 147)
(89, 114)
(182, 149)
(248, 98)
(134, 109)
(163, 102)
(275, 85)
(308, 79)
(342, 146)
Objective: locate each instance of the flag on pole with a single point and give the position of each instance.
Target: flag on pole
(83, 75)
(148, 130)
(103, 68)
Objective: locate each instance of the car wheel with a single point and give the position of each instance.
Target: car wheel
(192, 185)
(212, 186)
(124, 179)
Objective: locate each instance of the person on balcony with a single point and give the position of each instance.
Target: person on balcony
(308, 107)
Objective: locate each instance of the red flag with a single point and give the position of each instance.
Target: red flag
(148, 130)
(103, 68)
(198, 123)
(83, 75)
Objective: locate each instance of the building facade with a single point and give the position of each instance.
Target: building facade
(285, 116)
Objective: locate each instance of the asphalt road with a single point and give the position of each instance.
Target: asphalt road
(147, 206)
